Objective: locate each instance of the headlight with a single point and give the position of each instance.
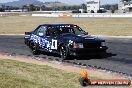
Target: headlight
(103, 44)
(78, 45)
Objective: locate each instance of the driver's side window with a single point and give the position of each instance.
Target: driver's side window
(41, 31)
(51, 31)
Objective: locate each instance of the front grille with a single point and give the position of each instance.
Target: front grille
(92, 44)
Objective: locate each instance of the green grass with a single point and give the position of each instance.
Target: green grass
(98, 26)
(14, 74)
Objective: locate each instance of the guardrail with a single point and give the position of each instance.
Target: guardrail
(54, 11)
(46, 15)
(82, 15)
(102, 15)
(78, 15)
(12, 13)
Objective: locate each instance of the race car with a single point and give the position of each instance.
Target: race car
(65, 40)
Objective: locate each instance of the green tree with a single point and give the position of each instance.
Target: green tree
(126, 0)
(113, 8)
(1, 9)
(84, 7)
(43, 7)
(107, 6)
(31, 7)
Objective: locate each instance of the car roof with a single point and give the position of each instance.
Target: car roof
(56, 24)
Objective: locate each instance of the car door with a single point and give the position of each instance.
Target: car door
(40, 34)
(51, 36)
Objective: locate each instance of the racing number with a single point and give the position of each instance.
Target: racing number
(54, 44)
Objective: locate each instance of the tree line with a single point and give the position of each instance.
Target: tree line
(31, 7)
(112, 7)
(3, 8)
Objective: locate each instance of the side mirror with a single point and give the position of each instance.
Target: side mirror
(41, 34)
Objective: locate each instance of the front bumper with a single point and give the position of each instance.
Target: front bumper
(88, 51)
(26, 41)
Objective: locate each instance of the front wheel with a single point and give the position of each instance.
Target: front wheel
(34, 48)
(63, 52)
(102, 54)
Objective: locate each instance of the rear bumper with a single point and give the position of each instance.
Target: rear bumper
(88, 51)
(26, 41)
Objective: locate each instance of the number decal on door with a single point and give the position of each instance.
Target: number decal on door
(54, 44)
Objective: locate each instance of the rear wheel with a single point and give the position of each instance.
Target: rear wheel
(34, 48)
(63, 52)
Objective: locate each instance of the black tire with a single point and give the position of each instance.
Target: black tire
(85, 82)
(26, 42)
(102, 54)
(64, 52)
(34, 48)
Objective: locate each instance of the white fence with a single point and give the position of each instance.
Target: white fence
(46, 15)
(54, 11)
(71, 14)
(82, 15)
(102, 15)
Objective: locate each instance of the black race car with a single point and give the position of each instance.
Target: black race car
(65, 40)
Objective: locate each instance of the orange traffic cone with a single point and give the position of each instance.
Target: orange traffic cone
(84, 73)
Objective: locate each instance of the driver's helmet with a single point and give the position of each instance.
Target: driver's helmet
(49, 29)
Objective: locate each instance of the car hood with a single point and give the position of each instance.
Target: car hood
(82, 38)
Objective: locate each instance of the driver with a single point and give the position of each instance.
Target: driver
(49, 31)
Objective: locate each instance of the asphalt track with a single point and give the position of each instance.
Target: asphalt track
(119, 57)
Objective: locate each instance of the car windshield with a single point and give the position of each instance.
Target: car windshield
(72, 30)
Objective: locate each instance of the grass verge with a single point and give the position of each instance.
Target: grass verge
(96, 26)
(14, 74)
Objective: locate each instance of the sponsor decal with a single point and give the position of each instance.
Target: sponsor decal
(54, 44)
(44, 43)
